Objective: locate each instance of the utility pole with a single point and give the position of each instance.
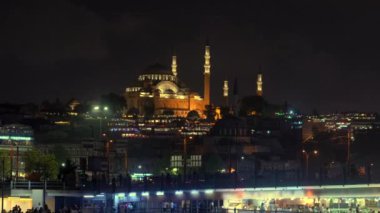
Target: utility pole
(184, 159)
(11, 160)
(44, 189)
(348, 147)
(307, 164)
(17, 162)
(108, 149)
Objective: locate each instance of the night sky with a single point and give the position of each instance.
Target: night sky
(314, 54)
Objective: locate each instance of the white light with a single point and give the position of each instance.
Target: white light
(178, 192)
(88, 196)
(145, 194)
(63, 164)
(194, 192)
(105, 108)
(100, 195)
(159, 193)
(132, 194)
(121, 195)
(96, 108)
(209, 191)
(139, 166)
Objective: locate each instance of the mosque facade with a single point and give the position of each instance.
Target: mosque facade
(159, 91)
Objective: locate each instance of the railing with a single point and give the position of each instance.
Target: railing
(52, 185)
(221, 210)
(176, 183)
(211, 182)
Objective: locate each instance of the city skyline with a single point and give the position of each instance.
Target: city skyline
(312, 55)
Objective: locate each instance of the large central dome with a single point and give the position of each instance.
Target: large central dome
(157, 69)
(157, 72)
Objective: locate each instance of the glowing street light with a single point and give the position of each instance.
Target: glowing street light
(132, 194)
(209, 191)
(178, 193)
(194, 192)
(101, 111)
(307, 154)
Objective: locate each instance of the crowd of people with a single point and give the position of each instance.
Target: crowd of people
(38, 209)
(16, 209)
(72, 209)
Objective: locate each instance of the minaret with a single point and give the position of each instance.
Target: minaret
(207, 67)
(225, 92)
(259, 89)
(174, 65)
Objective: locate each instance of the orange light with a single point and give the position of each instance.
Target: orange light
(309, 193)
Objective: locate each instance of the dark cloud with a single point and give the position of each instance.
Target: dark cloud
(314, 54)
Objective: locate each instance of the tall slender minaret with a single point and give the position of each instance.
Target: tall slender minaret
(225, 92)
(174, 65)
(207, 68)
(259, 89)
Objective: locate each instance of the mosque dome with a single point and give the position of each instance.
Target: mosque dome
(157, 69)
(157, 72)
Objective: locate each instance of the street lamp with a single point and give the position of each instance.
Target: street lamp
(349, 137)
(98, 109)
(242, 158)
(108, 147)
(307, 155)
(185, 141)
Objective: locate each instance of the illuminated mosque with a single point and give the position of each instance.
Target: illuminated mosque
(160, 92)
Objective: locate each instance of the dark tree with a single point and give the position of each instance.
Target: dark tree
(193, 115)
(252, 105)
(115, 102)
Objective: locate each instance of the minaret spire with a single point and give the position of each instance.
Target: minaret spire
(206, 73)
(225, 92)
(259, 84)
(174, 65)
